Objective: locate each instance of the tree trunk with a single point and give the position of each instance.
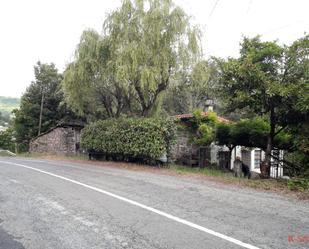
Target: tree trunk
(146, 111)
(266, 164)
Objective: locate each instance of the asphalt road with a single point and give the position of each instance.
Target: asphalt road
(54, 204)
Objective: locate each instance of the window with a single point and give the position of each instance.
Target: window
(246, 157)
(257, 158)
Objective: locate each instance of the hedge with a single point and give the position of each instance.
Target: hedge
(130, 137)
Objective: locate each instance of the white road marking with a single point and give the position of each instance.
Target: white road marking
(156, 211)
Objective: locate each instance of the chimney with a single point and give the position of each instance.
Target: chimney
(209, 105)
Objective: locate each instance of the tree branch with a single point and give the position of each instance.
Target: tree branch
(278, 131)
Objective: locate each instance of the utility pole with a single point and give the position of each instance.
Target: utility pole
(41, 111)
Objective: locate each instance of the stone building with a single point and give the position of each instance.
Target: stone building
(63, 139)
(186, 152)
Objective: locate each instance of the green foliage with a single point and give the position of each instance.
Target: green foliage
(205, 135)
(191, 91)
(138, 138)
(7, 140)
(123, 72)
(254, 132)
(298, 184)
(208, 171)
(250, 133)
(297, 158)
(247, 132)
(203, 127)
(199, 118)
(301, 134)
(271, 80)
(224, 135)
(26, 122)
(211, 118)
(268, 77)
(297, 164)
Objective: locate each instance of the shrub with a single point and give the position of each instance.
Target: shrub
(298, 184)
(203, 127)
(297, 164)
(205, 135)
(138, 138)
(6, 140)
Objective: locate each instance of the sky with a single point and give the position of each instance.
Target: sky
(49, 30)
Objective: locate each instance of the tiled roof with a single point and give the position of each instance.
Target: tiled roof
(73, 124)
(190, 115)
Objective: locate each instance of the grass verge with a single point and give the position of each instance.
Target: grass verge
(210, 174)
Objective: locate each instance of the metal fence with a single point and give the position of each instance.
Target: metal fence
(276, 169)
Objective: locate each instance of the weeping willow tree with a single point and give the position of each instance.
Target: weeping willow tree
(123, 71)
(89, 82)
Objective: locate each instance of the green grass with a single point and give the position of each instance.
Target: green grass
(274, 185)
(213, 174)
(203, 171)
(5, 153)
(78, 157)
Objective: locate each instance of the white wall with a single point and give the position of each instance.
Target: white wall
(273, 170)
(250, 160)
(252, 168)
(236, 152)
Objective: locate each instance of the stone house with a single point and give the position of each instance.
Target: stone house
(63, 139)
(187, 153)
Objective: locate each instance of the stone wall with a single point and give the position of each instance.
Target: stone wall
(183, 148)
(60, 141)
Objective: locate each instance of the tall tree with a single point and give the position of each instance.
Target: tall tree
(27, 117)
(271, 80)
(189, 92)
(250, 133)
(123, 71)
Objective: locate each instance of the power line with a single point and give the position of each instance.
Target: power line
(213, 9)
(282, 27)
(249, 6)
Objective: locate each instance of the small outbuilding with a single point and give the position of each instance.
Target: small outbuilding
(184, 151)
(63, 139)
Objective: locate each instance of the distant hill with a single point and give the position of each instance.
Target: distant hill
(7, 104)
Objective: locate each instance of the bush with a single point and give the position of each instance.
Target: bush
(7, 140)
(297, 164)
(298, 184)
(203, 127)
(144, 138)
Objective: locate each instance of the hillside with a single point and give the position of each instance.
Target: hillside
(7, 104)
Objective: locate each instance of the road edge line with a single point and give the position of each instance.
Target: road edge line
(135, 203)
